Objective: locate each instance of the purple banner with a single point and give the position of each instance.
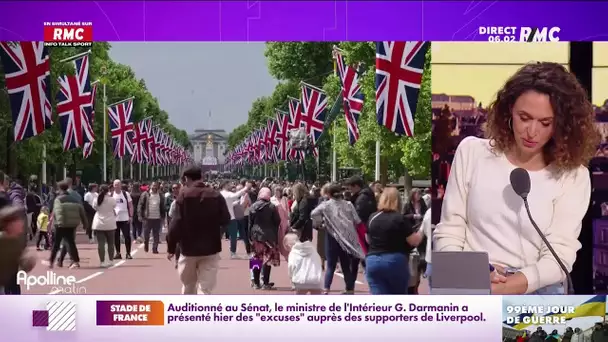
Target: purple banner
(302, 20)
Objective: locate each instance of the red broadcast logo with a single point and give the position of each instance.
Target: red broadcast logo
(68, 35)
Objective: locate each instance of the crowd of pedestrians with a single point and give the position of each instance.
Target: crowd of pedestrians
(317, 230)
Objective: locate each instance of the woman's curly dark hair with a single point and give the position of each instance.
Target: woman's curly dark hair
(575, 138)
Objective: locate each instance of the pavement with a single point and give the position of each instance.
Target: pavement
(153, 274)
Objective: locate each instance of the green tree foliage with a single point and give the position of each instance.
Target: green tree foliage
(312, 63)
(23, 158)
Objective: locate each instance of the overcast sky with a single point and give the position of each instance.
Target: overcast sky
(191, 79)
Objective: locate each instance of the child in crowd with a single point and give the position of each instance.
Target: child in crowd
(43, 229)
(304, 264)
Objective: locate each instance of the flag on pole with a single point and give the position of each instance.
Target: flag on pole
(314, 110)
(121, 127)
(282, 141)
(27, 72)
(74, 106)
(399, 68)
(352, 96)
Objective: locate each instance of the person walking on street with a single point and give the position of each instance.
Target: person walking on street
(124, 214)
(300, 216)
(176, 189)
(364, 200)
(33, 203)
(42, 222)
(90, 197)
(151, 211)
(104, 225)
(264, 222)
(68, 214)
(233, 226)
(200, 214)
(137, 225)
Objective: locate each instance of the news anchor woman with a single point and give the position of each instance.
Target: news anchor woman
(541, 121)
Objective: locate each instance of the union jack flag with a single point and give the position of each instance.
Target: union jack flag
(295, 114)
(150, 142)
(314, 110)
(27, 73)
(139, 143)
(352, 96)
(74, 106)
(164, 147)
(271, 137)
(262, 143)
(161, 147)
(281, 139)
(121, 127)
(87, 150)
(399, 68)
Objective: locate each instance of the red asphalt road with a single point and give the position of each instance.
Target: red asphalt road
(153, 274)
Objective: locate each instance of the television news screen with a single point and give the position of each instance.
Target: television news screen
(146, 148)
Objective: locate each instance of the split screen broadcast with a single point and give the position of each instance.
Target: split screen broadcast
(509, 152)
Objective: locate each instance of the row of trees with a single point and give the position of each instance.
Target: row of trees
(24, 158)
(293, 62)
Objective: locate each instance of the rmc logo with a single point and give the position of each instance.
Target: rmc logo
(68, 33)
(539, 34)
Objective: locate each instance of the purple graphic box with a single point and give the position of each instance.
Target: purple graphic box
(302, 20)
(40, 318)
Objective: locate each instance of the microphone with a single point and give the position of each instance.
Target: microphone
(520, 182)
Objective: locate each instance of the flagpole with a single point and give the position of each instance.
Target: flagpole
(43, 175)
(69, 59)
(120, 170)
(377, 160)
(131, 172)
(313, 87)
(139, 170)
(334, 156)
(121, 101)
(105, 127)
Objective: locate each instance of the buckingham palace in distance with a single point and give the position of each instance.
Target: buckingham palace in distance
(208, 147)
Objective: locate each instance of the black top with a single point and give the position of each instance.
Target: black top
(365, 203)
(387, 233)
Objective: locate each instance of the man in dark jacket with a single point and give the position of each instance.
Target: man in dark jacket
(68, 213)
(200, 214)
(362, 197)
(364, 200)
(33, 202)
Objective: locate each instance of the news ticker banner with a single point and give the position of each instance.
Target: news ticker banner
(496, 21)
(299, 318)
(234, 318)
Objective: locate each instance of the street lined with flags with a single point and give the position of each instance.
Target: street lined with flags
(399, 70)
(27, 77)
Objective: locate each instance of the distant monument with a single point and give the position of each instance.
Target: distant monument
(209, 159)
